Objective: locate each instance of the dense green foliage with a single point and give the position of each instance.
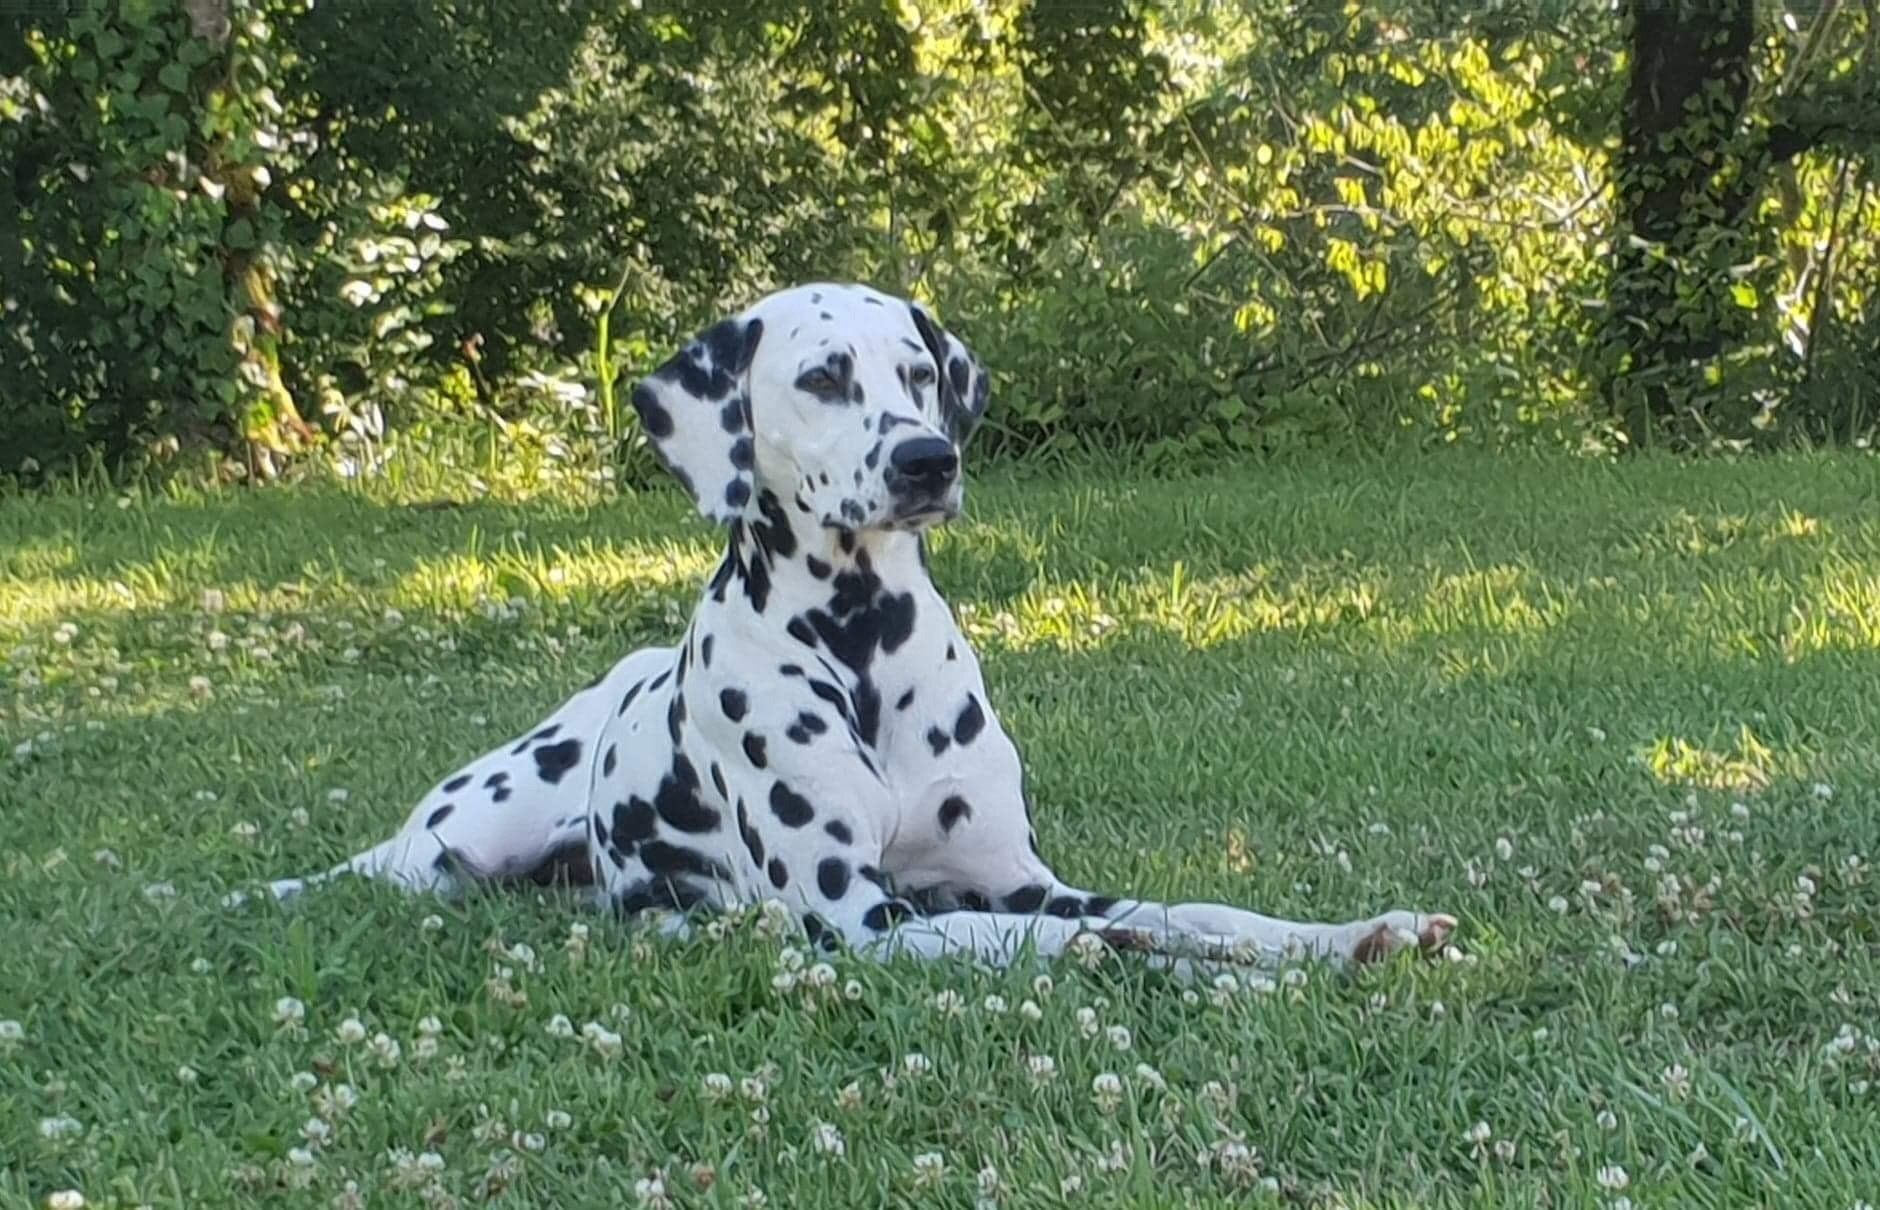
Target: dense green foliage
(1177, 225)
(1619, 719)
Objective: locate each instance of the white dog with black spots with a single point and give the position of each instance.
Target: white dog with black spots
(821, 734)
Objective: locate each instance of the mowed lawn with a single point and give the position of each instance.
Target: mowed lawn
(1620, 720)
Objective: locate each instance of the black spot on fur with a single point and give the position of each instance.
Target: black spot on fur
(1099, 905)
(970, 723)
(675, 717)
(799, 630)
(779, 874)
(790, 807)
(659, 894)
(938, 740)
(753, 841)
(705, 650)
(754, 750)
(552, 761)
(653, 415)
(886, 914)
(677, 799)
(806, 727)
(442, 813)
(1068, 907)
(741, 453)
(718, 780)
(840, 831)
(906, 700)
(1025, 900)
(608, 761)
(734, 703)
(820, 934)
(663, 858)
(817, 567)
(634, 821)
(952, 811)
(832, 877)
(456, 783)
(494, 780)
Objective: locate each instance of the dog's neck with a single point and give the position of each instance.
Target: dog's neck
(773, 558)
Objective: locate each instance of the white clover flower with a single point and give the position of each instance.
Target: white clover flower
(1612, 1177)
(716, 1086)
(827, 1140)
(929, 1169)
(289, 1011)
(606, 1042)
(385, 1048)
(1119, 1037)
(1107, 1088)
(63, 1126)
(350, 1031)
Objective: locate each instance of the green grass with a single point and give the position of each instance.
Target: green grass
(1620, 720)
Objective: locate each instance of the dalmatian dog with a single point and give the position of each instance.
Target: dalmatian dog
(821, 734)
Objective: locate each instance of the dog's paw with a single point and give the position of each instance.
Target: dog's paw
(1378, 939)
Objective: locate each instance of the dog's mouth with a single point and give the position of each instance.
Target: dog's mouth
(920, 514)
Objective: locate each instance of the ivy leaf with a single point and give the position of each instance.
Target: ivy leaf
(1745, 295)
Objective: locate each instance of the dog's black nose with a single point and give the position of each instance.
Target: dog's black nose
(927, 461)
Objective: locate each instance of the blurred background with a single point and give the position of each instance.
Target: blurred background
(268, 238)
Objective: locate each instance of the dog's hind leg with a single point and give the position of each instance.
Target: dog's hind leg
(519, 812)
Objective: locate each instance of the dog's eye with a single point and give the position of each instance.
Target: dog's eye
(922, 375)
(818, 382)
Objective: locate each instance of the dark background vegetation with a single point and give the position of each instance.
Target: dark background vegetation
(262, 236)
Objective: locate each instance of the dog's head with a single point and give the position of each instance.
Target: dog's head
(850, 406)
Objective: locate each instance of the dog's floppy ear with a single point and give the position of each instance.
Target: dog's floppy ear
(963, 383)
(696, 409)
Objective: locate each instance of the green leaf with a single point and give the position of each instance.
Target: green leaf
(174, 76)
(1745, 295)
(240, 235)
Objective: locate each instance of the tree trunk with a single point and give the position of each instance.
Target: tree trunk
(1670, 308)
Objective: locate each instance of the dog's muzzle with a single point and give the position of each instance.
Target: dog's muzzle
(921, 475)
